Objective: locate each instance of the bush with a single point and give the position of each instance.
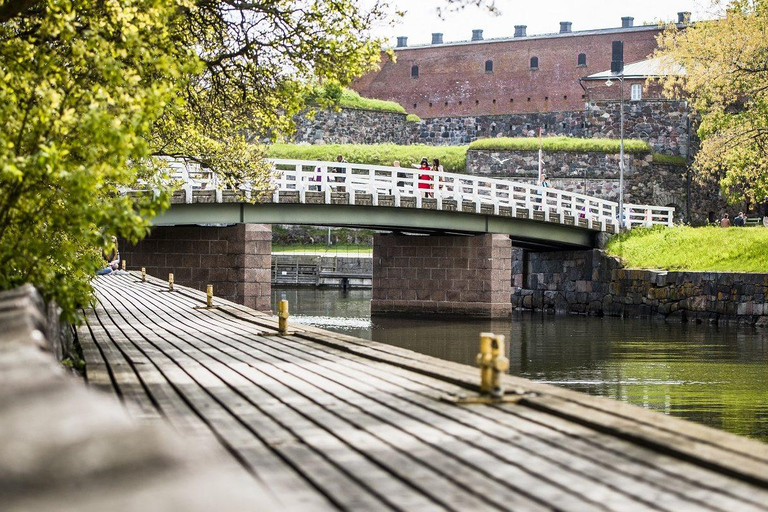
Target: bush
(452, 158)
(412, 118)
(561, 144)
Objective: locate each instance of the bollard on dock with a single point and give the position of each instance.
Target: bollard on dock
(282, 315)
(170, 282)
(209, 296)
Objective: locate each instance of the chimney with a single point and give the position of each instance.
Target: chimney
(437, 38)
(565, 27)
(477, 35)
(684, 17)
(617, 57)
(627, 22)
(402, 42)
(520, 30)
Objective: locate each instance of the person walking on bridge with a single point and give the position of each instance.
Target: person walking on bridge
(425, 179)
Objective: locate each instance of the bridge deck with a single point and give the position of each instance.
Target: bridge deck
(331, 422)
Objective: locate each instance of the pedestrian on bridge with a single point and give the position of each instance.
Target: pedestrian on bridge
(438, 169)
(425, 179)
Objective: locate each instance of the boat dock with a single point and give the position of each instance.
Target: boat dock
(325, 421)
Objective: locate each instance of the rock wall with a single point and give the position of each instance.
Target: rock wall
(353, 126)
(664, 124)
(589, 282)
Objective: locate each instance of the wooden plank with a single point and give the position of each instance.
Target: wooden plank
(447, 411)
(189, 320)
(251, 450)
(698, 444)
(216, 401)
(556, 447)
(297, 414)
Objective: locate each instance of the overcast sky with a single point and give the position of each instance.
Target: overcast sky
(541, 17)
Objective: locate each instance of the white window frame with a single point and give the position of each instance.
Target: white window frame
(636, 92)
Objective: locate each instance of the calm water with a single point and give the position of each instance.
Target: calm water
(717, 376)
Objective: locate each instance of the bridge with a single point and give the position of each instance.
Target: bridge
(408, 200)
(212, 235)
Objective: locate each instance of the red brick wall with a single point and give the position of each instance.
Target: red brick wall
(453, 79)
(234, 259)
(442, 274)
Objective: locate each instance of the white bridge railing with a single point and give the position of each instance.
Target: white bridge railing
(398, 186)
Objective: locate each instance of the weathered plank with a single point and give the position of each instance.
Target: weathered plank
(358, 425)
(69, 448)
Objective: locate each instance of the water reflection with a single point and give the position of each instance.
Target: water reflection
(709, 374)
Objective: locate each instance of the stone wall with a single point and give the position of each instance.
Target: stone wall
(664, 124)
(597, 174)
(353, 126)
(589, 282)
(234, 259)
(459, 275)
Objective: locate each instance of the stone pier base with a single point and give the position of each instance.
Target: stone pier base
(234, 259)
(462, 275)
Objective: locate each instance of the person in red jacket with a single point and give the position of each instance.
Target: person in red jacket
(425, 180)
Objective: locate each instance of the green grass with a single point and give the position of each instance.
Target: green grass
(452, 158)
(294, 248)
(561, 144)
(351, 99)
(742, 249)
(659, 158)
(412, 118)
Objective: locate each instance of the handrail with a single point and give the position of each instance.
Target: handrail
(305, 176)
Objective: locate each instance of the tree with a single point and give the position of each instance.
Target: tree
(91, 91)
(726, 81)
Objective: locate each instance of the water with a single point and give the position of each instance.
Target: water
(713, 375)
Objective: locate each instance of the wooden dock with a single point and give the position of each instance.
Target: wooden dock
(331, 422)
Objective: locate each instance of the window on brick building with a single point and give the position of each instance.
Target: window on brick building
(534, 63)
(636, 92)
(489, 66)
(581, 60)
(414, 71)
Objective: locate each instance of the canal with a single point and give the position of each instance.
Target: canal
(715, 375)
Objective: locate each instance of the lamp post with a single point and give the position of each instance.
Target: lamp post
(609, 83)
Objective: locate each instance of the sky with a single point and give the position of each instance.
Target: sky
(541, 17)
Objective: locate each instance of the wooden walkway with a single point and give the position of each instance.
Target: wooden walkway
(330, 422)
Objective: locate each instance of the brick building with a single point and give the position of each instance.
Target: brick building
(519, 74)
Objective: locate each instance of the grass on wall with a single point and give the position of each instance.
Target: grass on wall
(413, 118)
(743, 249)
(561, 144)
(351, 99)
(452, 158)
(660, 158)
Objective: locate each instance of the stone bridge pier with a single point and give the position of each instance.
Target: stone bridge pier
(235, 259)
(462, 275)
